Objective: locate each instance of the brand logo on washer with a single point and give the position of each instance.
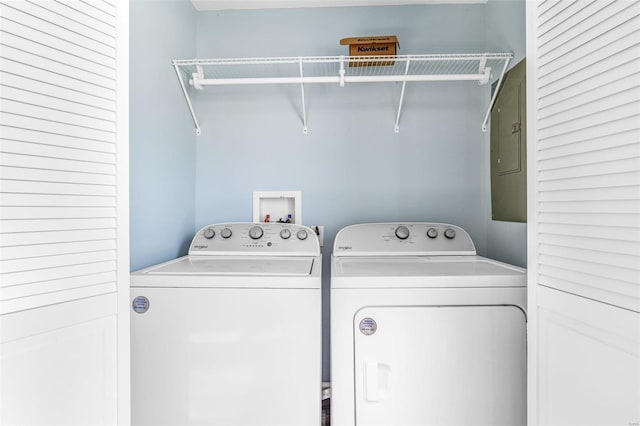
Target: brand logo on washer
(140, 304)
(368, 326)
(200, 246)
(344, 247)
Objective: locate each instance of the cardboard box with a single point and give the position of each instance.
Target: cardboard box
(371, 46)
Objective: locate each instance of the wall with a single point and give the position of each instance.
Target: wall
(162, 139)
(351, 167)
(505, 24)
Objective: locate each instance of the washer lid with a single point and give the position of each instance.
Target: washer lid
(235, 265)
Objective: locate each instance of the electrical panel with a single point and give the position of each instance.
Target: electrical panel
(509, 148)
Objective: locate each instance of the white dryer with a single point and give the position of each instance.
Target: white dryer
(231, 333)
(424, 331)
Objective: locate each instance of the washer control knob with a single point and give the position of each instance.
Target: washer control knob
(285, 234)
(226, 233)
(449, 233)
(255, 232)
(432, 232)
(302, 234)
(402, 232)
(209, 233)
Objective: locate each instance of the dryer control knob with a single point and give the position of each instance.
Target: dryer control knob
(432, 232)
(402, 232)
(302, 234)
(255, 232)
(450, 233)
(226, 233)
(285, 234)
(209, 233)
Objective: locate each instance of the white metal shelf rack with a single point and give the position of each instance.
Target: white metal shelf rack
(341, 70)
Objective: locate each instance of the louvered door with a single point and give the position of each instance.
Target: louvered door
(584, 210)
(64, 212)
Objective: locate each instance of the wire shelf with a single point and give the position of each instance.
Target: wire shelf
(340, 70)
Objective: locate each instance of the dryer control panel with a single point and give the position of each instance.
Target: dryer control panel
(403, 239)
(255, 238)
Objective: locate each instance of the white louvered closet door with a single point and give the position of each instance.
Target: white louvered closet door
(64, 264)
(584, 209)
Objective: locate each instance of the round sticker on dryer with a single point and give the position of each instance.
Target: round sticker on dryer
(368, 326)
(140, 304)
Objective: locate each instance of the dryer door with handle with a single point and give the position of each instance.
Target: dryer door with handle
(437, 365)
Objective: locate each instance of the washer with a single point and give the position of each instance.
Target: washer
(231, 333)
(424, 331)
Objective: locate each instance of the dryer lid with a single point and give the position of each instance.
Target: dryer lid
(424, 271)
(423, 266)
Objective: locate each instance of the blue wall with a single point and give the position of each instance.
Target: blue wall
(505, 24)
(162, 140)
(351, 167)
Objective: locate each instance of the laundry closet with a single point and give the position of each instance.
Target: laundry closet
(351, 166)
(111, 160)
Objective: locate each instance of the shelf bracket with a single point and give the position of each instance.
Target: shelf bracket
(404, 85)
(482, 69)
(495, 93)
(197, 77)
(305, 130)
(186, 97)
(342, 71)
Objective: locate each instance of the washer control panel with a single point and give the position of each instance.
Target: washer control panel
(403, 239)
(257, 238)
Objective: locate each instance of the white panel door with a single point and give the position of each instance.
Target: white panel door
(440, 365)
(588, 362)
(584, 208)
(64, 348)
(57, 369)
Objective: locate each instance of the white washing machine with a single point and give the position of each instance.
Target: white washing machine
(424, 331)
(231, 333)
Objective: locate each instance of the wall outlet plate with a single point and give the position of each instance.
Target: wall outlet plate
(278, 205)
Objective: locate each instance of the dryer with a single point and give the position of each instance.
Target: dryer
(231, 333)
(423, 330)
